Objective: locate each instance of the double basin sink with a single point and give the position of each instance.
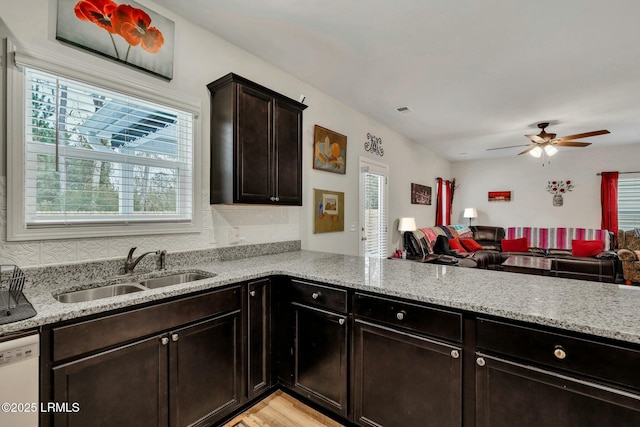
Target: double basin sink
(130, 287)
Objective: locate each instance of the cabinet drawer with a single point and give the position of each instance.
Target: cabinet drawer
(90, 335)
(583, 356)
(319, 296)
(426, 320)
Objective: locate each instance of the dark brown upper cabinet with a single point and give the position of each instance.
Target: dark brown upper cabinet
(256, 144)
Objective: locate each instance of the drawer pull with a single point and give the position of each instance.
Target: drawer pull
(341, 321)
(480, 361)
(252, 293)
(164, 340)
(559, 353)
(455, 354)
(174, 337)
(315, 295)
(401, 314)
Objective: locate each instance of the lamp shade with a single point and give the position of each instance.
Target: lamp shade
(407, 224)
(536, 152)
(470, 213)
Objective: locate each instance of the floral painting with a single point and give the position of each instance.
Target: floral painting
(329, 150)
(126, 32)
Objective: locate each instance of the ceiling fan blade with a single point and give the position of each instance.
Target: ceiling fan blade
(583, 135)
(529, 149)
(536, 139)
(510, 146)
(571, 143)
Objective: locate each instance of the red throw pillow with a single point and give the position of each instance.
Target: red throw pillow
(471, 245)
(586, 247)
(515, 245)
(455, 245)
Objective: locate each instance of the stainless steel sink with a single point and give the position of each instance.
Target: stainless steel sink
(101, 292)
(174, 279)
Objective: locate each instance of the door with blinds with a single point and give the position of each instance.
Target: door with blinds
(373, 208)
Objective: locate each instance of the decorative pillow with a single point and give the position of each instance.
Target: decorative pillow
(471, 245)
(586, 247)
(515, 245)
(455, 245)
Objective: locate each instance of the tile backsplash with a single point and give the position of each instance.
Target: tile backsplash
(222, 226)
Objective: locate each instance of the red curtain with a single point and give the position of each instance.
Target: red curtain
(444, 201)
(609, 201)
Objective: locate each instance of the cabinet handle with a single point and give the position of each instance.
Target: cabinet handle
(174, 337)
(559, 353)
(277, 199)
(401, 314)
(480, 361)
(273, 199)
(315, 295)
(252, 293)
(341, 321)
(455, 354)
(164, 340)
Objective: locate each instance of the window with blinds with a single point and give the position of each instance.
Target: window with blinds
(628, 203)
(96, 156)
(374, 211)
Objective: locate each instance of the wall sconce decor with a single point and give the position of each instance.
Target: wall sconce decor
(374, 145)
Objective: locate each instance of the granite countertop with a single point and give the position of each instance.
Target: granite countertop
(599, 309)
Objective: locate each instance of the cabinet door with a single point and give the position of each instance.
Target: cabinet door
(288, 155)
(254, 146)
(405, 380)
(320, 357)
(125, 386)
(204, 360)
(509, 394)
(259, 342)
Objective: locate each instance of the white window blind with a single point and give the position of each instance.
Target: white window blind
(96, 156)
(628, 203)
(374, 211)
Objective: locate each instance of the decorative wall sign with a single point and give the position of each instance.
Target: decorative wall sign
(558, 188)
(420, 194)
(374, 145)
(499, 196)
(328, 211)
(128, 33)
(329, 150)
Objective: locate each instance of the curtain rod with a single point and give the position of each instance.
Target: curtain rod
(600, 173)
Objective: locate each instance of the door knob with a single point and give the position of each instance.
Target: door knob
(252, 293)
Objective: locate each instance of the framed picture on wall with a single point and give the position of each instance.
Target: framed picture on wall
(329, 150)
(499, 196)
(126, 32)
(328, 212)
(420, 194)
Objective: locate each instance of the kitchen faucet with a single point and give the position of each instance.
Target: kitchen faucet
(130, 263)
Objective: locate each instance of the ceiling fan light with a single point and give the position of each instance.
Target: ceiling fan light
(550, 150)
(536, 152)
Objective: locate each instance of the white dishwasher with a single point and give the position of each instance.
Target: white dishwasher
(19, 380)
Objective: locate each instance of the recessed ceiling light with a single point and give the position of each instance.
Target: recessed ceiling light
(404, 110)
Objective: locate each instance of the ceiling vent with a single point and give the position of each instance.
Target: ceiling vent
(404, 110)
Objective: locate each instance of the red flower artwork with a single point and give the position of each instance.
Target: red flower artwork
(132, 24)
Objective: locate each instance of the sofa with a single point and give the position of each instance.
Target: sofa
(551, 243)
(629, 254)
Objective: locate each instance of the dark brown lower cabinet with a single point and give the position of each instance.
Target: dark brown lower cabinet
(125, 386)
(512, 394)
(259, 337)
(402, 379)
(320, 357)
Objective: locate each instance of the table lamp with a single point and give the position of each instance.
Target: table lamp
(470, 213)
(406, 224)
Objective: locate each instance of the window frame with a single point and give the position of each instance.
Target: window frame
(633, 176)
(17, 229)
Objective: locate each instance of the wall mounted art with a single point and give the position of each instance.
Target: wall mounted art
(374, 145)
(329, 150)
(420, 194)
(558, 188)
(328, 211)
(125, 32)
(499, 196)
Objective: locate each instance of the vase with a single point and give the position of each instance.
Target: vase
(557, 200)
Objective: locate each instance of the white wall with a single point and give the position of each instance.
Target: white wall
(201, 57)
(526, 178)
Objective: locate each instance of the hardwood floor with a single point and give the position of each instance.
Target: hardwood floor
(281, 410)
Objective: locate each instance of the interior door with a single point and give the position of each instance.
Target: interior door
(373, 208)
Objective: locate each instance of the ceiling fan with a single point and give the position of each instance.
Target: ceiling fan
(547, 142)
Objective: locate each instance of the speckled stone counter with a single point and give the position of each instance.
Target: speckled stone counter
(600, 309)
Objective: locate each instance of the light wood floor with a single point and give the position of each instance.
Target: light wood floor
(281, 410)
